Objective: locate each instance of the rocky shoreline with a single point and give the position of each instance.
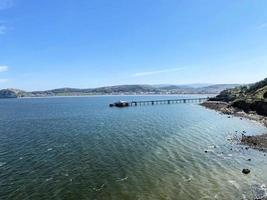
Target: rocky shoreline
(257, 142)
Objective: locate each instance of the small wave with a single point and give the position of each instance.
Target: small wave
(188, 178)
(234, 183)
(209, 150)
(122, 179)
(221, 155)
(2, 164)
(49, 179)
(212, 147)
(97, 189)
(244, 197)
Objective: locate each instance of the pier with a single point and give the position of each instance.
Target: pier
(157, 102)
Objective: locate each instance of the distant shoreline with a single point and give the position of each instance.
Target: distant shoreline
(122, 90)
(110, 95)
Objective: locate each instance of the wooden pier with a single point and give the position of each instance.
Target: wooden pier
(157, 102)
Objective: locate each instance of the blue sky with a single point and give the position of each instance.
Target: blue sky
(89, 43)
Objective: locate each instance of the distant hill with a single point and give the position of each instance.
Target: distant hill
(252, 97)
(217, 88)
(196, 88)
(12, 93)
(119, 90)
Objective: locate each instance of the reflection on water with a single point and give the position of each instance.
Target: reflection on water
(79, 148)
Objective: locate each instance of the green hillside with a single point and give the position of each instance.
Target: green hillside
(13, 93)
(119, 90)
(249, 98)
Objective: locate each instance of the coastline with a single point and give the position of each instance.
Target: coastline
(258, 142)
(111, 95)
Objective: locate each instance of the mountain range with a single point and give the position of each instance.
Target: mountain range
(122, 90)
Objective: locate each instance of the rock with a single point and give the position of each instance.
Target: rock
(258, 142)
(245, 171)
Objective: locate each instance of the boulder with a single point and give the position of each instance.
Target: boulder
(246, 171)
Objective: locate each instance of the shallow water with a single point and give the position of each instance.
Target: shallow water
(79, 148)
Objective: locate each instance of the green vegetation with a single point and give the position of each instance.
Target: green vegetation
(12, 93)
(249, 98)
(119, 90)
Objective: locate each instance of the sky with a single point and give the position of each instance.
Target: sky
(90, 43)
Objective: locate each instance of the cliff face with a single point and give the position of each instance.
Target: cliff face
(247, 98)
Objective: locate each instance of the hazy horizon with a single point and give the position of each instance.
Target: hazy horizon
(88, 44)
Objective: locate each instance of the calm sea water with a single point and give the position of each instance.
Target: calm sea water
(79, 148)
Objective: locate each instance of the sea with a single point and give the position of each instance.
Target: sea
(75, 148)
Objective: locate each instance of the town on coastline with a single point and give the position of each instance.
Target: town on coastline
(121, 90)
